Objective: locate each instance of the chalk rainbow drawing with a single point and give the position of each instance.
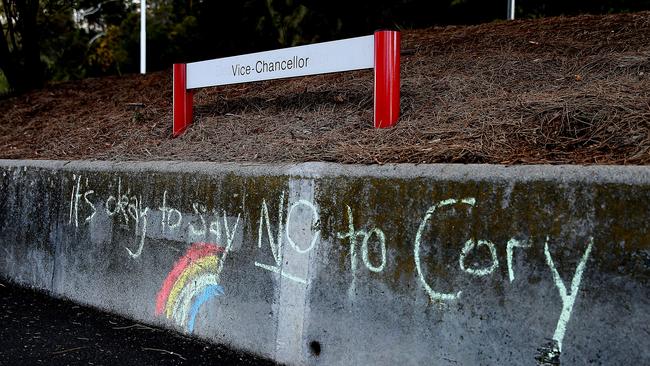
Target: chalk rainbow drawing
(193, 280)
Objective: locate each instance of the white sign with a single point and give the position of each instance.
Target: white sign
(336, 56)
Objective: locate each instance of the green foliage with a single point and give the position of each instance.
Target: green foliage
(63, 45)
(168, 36)
(108, 53)
(41, 41)
(287, 20)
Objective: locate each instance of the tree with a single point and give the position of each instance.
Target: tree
(42, 40)
(19, 45)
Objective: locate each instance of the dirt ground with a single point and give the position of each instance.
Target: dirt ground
(557, 90)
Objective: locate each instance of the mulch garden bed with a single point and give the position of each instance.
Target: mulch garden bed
(548, 91)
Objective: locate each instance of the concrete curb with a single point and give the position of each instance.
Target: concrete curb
(451, 172)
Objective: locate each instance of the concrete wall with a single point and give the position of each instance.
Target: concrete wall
(325, 264)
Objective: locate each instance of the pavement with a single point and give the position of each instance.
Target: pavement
(36, 329)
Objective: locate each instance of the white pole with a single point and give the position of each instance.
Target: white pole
(143, 36)
(511, 9)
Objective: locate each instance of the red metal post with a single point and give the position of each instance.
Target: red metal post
(182, 100)
(387, 81)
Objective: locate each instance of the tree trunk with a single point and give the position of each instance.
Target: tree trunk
(32, 72)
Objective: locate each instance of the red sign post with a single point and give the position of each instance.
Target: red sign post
(183, 99)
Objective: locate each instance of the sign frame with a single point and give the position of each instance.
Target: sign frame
(380, 51)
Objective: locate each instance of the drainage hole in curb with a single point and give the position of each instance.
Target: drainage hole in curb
(314, 347)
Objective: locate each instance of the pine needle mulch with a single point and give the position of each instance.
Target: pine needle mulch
(549, 91)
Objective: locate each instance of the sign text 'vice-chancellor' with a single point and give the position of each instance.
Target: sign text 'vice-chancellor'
(271, 66)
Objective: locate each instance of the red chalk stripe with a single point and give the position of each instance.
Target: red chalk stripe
(196, 251)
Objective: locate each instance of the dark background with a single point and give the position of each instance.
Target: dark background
(58, 40)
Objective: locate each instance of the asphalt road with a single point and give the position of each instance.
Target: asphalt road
(36, 329)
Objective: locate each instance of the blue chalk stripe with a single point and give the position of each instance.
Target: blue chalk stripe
(209, 292)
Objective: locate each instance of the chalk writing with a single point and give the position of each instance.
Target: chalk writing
(195, 277)
(199, 210)
(171, 217)
(314, 224)
(513, 243)
(382, 246)
(434, 295)
(74, 201)
(276, 244)
(352, 234)
(139, 215)
(89, 203)
(471, 244)
(568, 299)
(118, 204)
